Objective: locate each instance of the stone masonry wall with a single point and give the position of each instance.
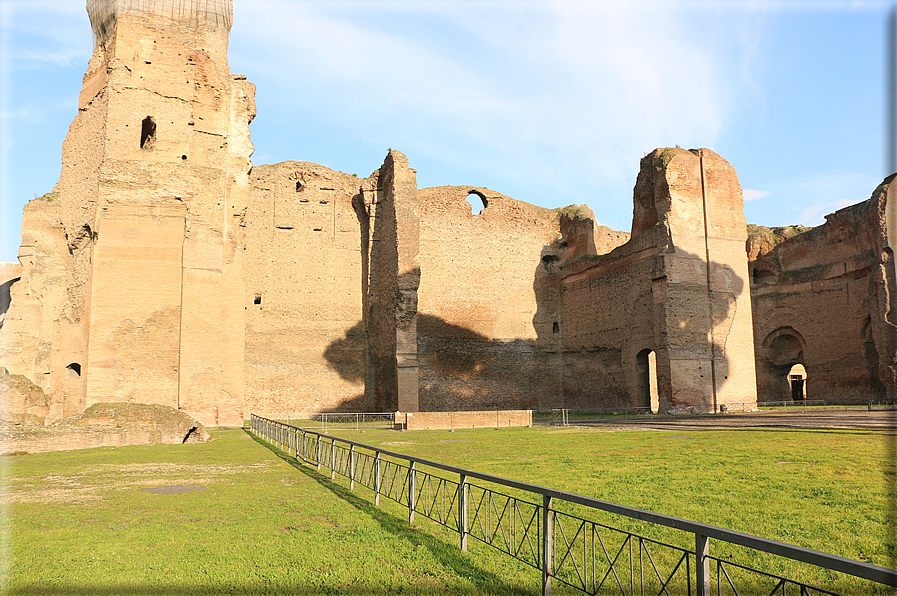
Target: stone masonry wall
(825, 299)
(392, 280)
(472, 419)
(305, 339)
(677, 289)
(133, 288)
(487, 336)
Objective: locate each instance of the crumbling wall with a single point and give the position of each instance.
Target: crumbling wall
(142, 235)
(823, 298)
(391, 204)
(488, 325)
(305, 339)
(677, 289)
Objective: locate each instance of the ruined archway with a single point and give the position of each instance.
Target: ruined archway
(646, 365)
(477, 202)
(782, 358)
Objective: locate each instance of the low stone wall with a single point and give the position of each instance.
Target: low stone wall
(453, 420)
(104, 425)
(42, 442)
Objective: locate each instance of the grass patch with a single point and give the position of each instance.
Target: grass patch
(821, 489)
(80, 523)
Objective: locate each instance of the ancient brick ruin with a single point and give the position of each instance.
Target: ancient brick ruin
(166, 269)
(824, 301)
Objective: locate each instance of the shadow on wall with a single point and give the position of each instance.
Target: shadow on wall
(569, 367)
(635, 324)
(5, 298)
(459, 368)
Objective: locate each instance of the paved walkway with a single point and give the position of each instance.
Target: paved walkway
(810, 418)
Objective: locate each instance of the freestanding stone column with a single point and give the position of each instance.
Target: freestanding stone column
(392, 367)
(701, 291)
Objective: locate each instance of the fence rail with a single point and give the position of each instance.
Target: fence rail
(528, 525)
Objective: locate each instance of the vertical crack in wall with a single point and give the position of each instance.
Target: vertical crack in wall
(709, 288)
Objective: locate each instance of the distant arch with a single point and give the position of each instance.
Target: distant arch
(784, 366)
(477, 201)
(73, 370)
(646, 366)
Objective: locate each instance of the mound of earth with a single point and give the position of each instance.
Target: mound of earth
(25, 398)
(106, 425)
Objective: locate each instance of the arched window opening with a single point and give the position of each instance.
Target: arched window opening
(646, 365)
(797, 379)
(73, 370)
(148, 134)
(477, 202)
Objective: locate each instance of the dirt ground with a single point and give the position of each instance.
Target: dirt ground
(850, 418)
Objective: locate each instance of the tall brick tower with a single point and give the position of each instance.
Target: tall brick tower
(147, 223)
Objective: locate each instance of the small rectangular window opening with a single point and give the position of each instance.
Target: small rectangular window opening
(556, 327)
(257, 299)
(147, 133)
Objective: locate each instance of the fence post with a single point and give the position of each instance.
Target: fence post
(547, 540)
(462, 511)
(351, 467)
(333, 459)
(412, 488)
(318, 452)
(377, 478)
(702, 565)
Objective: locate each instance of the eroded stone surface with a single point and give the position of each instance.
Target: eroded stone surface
(105, 425)
(824, 298)
(132, 267)
(164, 270)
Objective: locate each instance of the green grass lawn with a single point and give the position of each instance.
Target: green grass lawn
(827, 490)
(79, 522)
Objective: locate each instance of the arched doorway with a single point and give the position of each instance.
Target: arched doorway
(782, 374)
(646, 365)
(797, 378)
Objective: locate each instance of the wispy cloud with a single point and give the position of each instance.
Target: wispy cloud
(577, 89)
(752, 195)
(821, 195)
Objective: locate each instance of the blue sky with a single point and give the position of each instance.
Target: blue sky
(553, 102)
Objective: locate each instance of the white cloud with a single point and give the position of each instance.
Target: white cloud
(578, 90)
(752, 195)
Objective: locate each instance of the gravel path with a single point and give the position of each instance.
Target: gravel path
(852, 418)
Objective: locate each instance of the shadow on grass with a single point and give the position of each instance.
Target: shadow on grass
(448, 555)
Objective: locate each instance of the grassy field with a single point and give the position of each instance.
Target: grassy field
(79, 522)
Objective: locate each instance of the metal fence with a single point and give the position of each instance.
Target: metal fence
(337, 420)
(525, 521)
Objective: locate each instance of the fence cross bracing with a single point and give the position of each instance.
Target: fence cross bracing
(585, 554)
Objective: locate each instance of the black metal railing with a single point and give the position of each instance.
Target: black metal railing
(525, 521)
